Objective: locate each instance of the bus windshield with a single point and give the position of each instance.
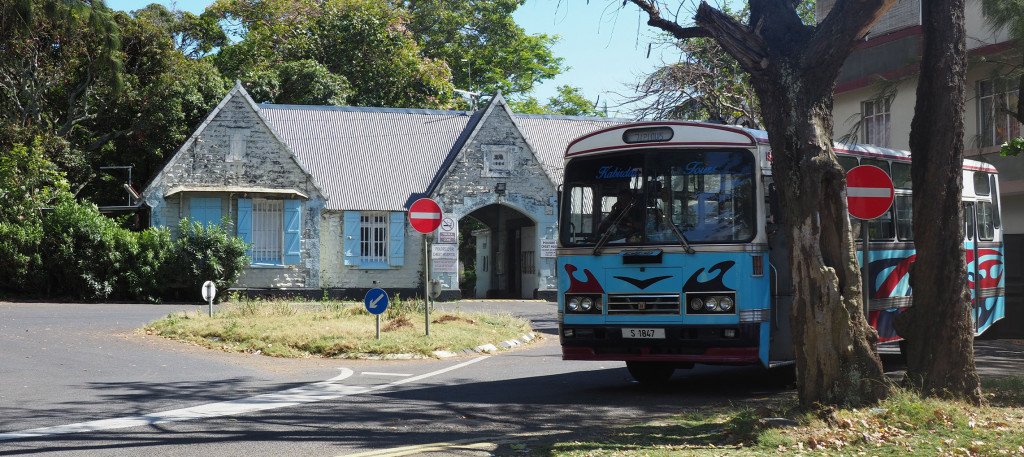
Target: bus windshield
(632, 198)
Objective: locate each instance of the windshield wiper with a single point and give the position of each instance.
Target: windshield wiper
(608, 232)
(679, 235)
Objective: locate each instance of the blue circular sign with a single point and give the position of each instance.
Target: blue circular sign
(376, 301)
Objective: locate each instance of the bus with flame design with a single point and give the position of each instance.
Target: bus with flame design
(668, 254)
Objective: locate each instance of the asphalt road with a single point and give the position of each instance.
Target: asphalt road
(76, 379)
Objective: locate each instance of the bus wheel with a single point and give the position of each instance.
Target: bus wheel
(651, 373)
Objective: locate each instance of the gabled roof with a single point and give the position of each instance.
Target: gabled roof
(369, 159)
(236, 91)
(381, 159)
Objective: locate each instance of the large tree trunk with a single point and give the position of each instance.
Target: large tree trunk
(938, 328)
(835, 347)
(793, 68)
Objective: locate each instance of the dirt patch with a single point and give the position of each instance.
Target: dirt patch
(451, 318)
(395, 324)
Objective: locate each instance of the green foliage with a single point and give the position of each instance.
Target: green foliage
(305, 82)
(203, 253)
(486, 50)
(1012, 148)
(363, 42)
(570, 101)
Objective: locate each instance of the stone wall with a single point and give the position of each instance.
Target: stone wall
(236, 150)
(469, 185)
(336, 275)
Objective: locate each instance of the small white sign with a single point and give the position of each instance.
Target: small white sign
(448, 232)
(548, 248)
(209, 290)
(444, 258)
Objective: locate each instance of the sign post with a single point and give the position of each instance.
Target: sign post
(376, 301)
(209, 291)
(425, 216)
(869, 194)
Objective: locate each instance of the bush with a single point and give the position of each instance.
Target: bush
(21, 263)
(202, 254)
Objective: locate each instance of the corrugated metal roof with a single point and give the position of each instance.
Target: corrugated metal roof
(377, 159)
(551, 135)
(370, 159)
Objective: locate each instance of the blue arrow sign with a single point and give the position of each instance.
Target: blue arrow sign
(376, 301)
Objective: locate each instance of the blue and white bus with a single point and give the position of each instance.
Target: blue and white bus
(668, 255)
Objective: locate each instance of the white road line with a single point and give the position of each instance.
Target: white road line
(310, 393)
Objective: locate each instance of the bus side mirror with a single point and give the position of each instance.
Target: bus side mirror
(774, 210)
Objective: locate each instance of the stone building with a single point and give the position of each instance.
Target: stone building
(322, 194)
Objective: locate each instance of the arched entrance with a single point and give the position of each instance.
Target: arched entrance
(503, 249)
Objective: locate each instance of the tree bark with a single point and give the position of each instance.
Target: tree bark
(938, 328)
(794, 68)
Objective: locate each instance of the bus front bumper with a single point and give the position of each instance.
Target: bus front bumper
(727, 345)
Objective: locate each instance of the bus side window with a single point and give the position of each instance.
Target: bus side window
(969, 221)
(847, 162)
(881, 228)
(884, 165)
(905, 217)
(901, 175)
(986, 222)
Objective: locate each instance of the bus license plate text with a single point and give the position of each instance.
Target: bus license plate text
(648, 333)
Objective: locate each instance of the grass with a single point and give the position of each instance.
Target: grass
(334, 329)
(903, 425)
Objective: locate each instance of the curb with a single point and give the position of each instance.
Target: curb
(483, 349)
(489, 348)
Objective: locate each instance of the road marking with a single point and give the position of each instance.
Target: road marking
(378, 373)
(310, 393)
(468, 444)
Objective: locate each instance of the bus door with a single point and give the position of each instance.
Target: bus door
(971, 235)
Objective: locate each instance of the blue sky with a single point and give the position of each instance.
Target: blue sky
(605, 46)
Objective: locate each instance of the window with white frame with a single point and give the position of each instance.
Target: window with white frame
(267, 231)
(995, 96)
(875, 122)
(373, 237)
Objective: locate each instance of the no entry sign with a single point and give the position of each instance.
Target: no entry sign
(425, 215)
(869, 192)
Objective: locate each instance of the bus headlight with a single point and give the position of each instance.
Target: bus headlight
(573, 304)
(696, 304)
(587, 304)
(725, 304)
(711, 303)
(583, 303)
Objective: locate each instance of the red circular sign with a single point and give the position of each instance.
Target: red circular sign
(869, 192)
(425, 215)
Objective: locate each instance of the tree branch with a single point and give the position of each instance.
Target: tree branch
(655, 20)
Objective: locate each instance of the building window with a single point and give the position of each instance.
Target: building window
(994, 98)
(267, 231)
(239, 141)
(875, 122)
(373, 237)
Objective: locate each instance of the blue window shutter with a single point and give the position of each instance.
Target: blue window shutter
(350, 234)
(244, 228)
(292, 231)
(204, 210)
(396, 233)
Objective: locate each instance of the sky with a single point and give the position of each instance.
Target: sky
(605, 46)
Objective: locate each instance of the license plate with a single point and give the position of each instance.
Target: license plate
(645, 333)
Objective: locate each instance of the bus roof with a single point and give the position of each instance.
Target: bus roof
(719, 135)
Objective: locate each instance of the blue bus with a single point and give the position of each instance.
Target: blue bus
(668, 255)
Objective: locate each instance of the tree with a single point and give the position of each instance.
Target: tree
(939, 328)
(484, 47)
(363, 41)
(706, 84)
(570, 101)
(793, 68)
(59, 72)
